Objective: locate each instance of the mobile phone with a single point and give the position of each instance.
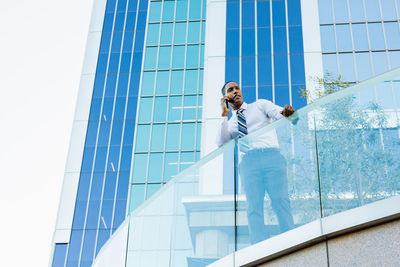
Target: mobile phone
(226, 103)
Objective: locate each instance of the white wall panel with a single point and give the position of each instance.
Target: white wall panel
(311, 42)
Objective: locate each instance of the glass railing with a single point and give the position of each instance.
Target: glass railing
(338, 153)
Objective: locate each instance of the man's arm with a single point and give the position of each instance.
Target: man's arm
(223, 135)
(276, 112)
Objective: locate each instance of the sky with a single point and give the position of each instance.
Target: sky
(42, 45)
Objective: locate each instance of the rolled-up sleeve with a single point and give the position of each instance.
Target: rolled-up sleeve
(223, 135)
(271, 110)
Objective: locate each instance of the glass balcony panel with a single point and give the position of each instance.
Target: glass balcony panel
(192, 217)
(358, 146)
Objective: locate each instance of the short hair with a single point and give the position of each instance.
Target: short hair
(223, 87)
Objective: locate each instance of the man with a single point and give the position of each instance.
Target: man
(262, 167)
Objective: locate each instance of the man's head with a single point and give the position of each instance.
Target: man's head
(233, 94)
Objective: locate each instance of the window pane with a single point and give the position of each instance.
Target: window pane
(155, 11)
(192, 57)
(379, 62)
(150, 58)
(164, 57)
(341, 14)
(191, 81)
(325, 11)
(356, 10)
(139, 168)
(347, 67)
(148, 83)
(170, 165)
(142, 138)
(152, 34)
(176, 82)
(328, 39)
(376, 36)
(155, 167)
(194, 32)
(188, 134)
(137, 196)
(360, 37)
(195, 10)
(392, 35)
(175, 108)
(363, 66)
(189, 107)
(180, 33)
(166, 33)
(181, 9)
(394, 57)
(187, 159)
(343, 37)
(373, 10)
(162, 83)
(145, 109)
(173, 132)
(178, 58)
(157, 137)
(160, 109)
(168, 10)
(388, 10)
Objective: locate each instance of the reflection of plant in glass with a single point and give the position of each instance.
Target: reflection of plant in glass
(356, 154)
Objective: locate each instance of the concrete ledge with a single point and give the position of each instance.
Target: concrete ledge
(315, 232)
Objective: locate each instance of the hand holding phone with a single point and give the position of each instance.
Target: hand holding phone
(225, 107)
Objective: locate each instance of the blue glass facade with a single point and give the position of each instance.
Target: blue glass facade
(264, 50)
(170, 102)
(359, 39)
(101, 202)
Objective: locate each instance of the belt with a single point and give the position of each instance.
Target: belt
(262, 150)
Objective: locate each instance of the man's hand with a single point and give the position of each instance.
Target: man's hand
(225, 109)
(287, 111)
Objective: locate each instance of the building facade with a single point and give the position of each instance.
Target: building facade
(148, 103)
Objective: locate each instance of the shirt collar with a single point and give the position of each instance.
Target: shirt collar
(243, 106)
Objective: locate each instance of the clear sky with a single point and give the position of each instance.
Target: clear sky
(42, 46)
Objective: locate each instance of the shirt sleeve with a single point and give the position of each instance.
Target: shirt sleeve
(223, 135)
(271, 110)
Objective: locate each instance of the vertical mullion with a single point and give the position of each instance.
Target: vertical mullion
(272, 50)
(256, 46)
(288, 52)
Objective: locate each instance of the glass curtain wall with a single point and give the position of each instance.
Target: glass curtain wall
(170, 103)
(264, 50)
(102, 195)
(359, 38)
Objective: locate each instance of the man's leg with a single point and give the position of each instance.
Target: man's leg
(277, 188)
(255, 192)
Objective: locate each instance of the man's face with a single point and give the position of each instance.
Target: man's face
(234, 94)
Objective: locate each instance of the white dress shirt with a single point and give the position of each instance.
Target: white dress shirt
(258, 114)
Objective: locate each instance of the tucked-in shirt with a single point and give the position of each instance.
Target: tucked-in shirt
(258, 114)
